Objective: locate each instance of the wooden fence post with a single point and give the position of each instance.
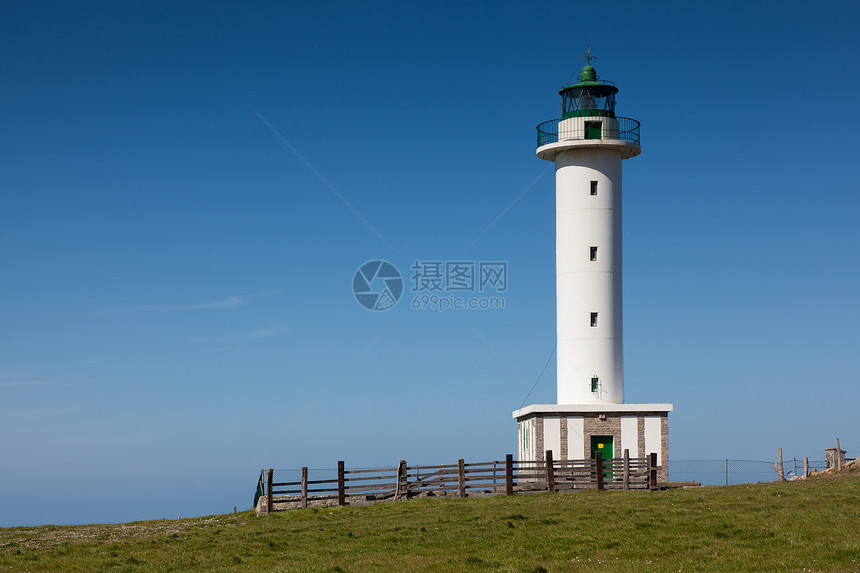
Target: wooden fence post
(550, 471)
(626, 469)
(652, 473)
(401, 481)
(270, 503)
(839, 457)
(341, 484)
(727, 471)
(598, 466)
(304, 487)
(509, 474)
(805, 467)
(779, 470)
(495, 464)
(461, 464)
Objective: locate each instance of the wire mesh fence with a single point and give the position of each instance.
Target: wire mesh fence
(730, 472)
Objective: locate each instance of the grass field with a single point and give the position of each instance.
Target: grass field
(809, 525)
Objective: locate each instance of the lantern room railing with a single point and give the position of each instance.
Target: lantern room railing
(621, 128)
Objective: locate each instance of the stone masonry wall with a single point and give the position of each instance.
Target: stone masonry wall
(663, 474)
(594, 426)
(539, 438)
(563, 430)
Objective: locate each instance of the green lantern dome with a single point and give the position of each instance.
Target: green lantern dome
(588, 74)
(589, 96)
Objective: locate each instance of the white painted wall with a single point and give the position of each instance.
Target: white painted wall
(574, 127)
(575, 439)
(552, 436)
(629, 436)
(652, 437)
(526, 440)
(520, 453)
(584, 286)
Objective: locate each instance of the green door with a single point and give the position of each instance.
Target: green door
(602, 444)
(593, 130)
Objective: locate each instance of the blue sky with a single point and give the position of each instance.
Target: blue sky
(187, 190)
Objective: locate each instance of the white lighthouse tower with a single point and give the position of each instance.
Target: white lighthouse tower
(588, 143)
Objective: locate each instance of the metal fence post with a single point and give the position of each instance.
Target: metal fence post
(727, 471)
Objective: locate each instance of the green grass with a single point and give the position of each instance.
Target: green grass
(796, 526)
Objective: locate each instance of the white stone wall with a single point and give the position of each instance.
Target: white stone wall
(527, 440)
(552, 435)
(574, 127)
(653, 437)
(630, 435)
(575, 438)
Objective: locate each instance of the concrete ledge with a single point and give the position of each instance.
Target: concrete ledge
(627, 149)
(590, 409)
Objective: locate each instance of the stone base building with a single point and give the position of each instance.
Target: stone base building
(576, 432)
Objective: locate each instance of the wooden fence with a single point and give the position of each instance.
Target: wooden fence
(365, 486)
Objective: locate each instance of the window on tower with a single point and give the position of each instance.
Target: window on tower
(595, 383)
(592, 253)
(593, 319)
(594, 187)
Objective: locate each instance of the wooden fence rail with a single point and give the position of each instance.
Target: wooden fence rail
(500, 477)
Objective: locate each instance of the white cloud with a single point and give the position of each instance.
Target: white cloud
(228, 302)
(239, 336)
(16, 380)
(231, 301)
(14, 383)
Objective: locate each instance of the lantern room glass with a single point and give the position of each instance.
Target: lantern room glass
(588, 100)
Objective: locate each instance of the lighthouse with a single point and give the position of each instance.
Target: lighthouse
(588, 144)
